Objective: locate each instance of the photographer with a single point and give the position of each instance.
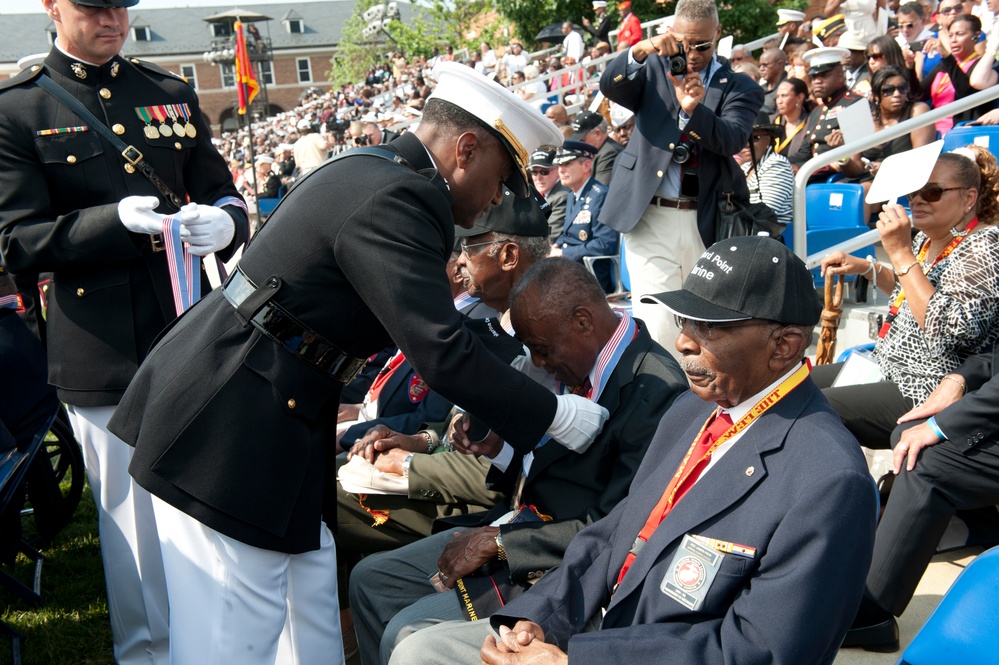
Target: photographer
(692, 114)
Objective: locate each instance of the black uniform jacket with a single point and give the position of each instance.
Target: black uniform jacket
(233, 429)
(60, 184)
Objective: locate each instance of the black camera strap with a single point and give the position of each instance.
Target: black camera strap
(129, 152)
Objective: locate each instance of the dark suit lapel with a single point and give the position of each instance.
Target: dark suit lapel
(716, 88)
(398, 380)
(735, 475)
(610, 399)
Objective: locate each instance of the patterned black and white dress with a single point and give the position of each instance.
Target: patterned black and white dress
(962, 317)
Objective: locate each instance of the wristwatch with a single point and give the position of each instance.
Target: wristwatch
(405, 465)
(500, 552)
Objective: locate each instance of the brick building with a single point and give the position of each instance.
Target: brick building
(302, 37)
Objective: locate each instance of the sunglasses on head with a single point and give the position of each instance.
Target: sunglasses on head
(931, 193)
(889, 90)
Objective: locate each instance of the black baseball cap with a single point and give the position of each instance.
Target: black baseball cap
(747, 277)
(571, 150)
(584, 123)
(543, 157)
(516, 216)
(106, 4)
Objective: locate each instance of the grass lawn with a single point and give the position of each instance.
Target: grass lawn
(72, 626)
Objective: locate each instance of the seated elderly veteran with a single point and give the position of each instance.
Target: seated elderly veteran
(748, 529)
(411, 488)
(946, 460)
(582, 235)
(561, 314)
(397, 397)
(944, 297)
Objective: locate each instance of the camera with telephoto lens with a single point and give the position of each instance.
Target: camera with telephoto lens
(678, 63)
(682, 153)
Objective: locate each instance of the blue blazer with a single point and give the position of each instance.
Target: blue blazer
(720, 125)
(582, 235)
(795, 487)
(405, 403)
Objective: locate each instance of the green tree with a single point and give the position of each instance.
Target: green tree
(355, 54)
(440, 23)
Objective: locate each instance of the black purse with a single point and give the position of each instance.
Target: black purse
(741, 218)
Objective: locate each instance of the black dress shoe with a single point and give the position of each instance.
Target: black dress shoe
(881, 637)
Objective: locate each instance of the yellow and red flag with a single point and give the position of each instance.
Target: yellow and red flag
(246, 81)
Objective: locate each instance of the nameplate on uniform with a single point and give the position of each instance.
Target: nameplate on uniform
(691, 573)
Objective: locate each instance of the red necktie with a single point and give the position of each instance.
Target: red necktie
(691, 468)
(383, 376)
(584, 389)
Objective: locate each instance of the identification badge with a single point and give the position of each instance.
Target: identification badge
(691, 572)
(583, 217)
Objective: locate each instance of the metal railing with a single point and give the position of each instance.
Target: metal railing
(887, 134)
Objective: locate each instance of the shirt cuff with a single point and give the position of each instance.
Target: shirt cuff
(932, 422)
(503, 458)
(633, 65)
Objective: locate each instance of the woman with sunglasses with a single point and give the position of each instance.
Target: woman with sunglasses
(943, 288)
(884, 51)
(949, 80)
(892, 103)
(793, 107)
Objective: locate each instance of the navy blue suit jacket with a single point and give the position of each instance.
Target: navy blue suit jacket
(795, 487)
(720, 126)
(405, 403)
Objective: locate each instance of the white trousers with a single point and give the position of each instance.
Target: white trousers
(660, 252)
(234, 603)
(130, 548)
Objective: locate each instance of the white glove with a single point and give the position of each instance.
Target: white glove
(577, 422)
(136, 214)
(210, 230)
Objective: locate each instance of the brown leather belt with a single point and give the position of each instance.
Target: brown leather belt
(676, 204)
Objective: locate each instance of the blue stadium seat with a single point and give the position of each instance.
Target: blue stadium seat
(986, 136)
(834, 212)
(964, 628)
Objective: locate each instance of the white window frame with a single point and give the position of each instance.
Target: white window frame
(193, 78)
(219, 30)
(297, 21)
(230, 71)
(308, 69)
(266, 72)
(145, 31)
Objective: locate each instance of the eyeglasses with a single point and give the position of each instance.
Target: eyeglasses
(955, 9)
(875, 56)
(465, 246)
(931, 193)
(707, 330)
(889, 90)
(541, 171)
(906, 26)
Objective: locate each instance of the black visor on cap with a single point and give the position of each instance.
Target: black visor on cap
(106, 4)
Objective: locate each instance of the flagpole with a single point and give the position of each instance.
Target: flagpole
(253, 161)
